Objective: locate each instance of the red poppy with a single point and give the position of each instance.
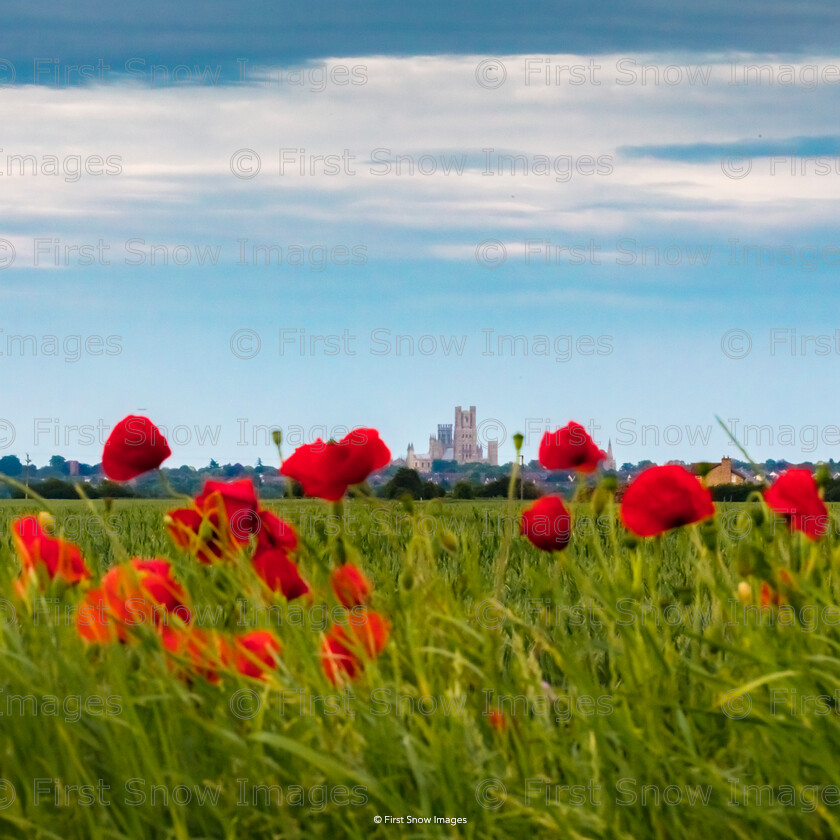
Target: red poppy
(351, 586)
(255, 653)
(135, 446)
(93, 619)
(38, 551)
(366, 631)
(279, 573)
(337, 661)
(547, 524)
(345, 648)
(185, 527)
(570, 448)
(662, 498)
(326, 470)
(275, 533)
(236, 502)
(771, 597)
(225, 516)
(205, 652)
(144, 590)
(795, 495)
(497, 720)
(139, 592)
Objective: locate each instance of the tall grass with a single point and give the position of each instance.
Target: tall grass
(638, 694)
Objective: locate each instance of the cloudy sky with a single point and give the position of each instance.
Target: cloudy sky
(321, 217)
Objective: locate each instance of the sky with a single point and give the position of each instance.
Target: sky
(326, 216)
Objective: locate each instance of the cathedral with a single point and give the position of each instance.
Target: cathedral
(455, 442)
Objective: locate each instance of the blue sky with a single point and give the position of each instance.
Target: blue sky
(636, 210)
(220, 31)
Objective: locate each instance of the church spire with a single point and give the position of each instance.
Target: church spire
(609, 461)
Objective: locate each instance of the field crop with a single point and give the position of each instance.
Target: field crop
(625, 687)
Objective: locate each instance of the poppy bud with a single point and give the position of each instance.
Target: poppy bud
(709, 535)
(600, 498)
(449, 542)
(822, 477)
(407, 502)
(205, 530)
(47, 522)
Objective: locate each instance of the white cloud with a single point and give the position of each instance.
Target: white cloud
(174, 148)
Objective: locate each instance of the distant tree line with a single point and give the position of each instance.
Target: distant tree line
(408, 482)
(448, 479)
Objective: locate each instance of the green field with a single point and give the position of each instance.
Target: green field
(640, 696)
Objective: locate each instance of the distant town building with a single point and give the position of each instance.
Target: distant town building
(72, 468)
(723, 473)
(455, 442)
(608, 464)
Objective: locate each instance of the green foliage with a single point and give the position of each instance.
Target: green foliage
(642, 697)
(498, 489)
(55, 488)
(432, 490)
(463, 490)
(734, 492)
(405, 481)
(832, 490)
(10, 465)
(59, 464)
